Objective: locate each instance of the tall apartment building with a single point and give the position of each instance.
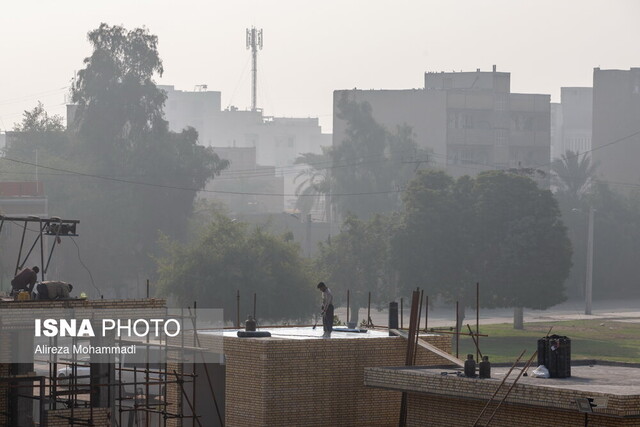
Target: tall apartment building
(277, 141)
(616, 126)
(239, 185)
(470, 120)
(557, 147)
(195, 109)
(423, 110)
(573, 121)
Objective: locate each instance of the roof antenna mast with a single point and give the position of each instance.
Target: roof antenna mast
(254, 42)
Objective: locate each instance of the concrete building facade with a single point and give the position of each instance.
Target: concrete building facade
(277, 141)
(571, 121)
(470, 120)
(616, 128)
(240, 186)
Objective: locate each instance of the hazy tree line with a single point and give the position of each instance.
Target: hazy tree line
(133, 185)
(117, 168)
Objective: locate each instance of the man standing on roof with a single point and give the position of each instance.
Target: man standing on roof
(25, 280)
(327, 310)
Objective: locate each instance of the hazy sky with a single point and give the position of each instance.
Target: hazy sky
(313, 48)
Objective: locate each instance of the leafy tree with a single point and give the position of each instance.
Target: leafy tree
(434, 242)
(499, 229)
(616, 242)
(370, 160)
(574, 176)
(228, 257)
(315, 185)
(128, 175)
(574, 173)
(121, 132)
(358, 260)
(38, 135)
(525, 251)
(38, 120)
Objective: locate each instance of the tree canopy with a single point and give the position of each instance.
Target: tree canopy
(228, 257)
(370, 160)
(120, 171)
(358, 260)
(499, 229)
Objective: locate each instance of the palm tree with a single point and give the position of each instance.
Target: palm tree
(313, 190)
(574, 174)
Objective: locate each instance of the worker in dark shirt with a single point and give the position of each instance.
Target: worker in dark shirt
(327, 310)
(25, 280)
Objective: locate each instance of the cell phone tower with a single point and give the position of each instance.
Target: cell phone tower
(254, 42)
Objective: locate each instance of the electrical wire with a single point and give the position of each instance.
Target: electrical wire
(77, 248)
(85, 267)
(36, 95)
(171, 187)
(381, 158)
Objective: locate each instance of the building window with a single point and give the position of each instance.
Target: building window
(468, 121)
(502, 102)
(502, 137)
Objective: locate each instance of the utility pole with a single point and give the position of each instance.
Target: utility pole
(589, 285)
(254, 42)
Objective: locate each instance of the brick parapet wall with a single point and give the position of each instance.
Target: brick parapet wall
(314, 381)
(79, 303)
(446, 411)
(474, 388)
(59, 417)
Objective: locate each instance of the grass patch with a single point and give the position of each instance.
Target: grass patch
(590, 339)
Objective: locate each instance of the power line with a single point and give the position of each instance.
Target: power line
(171, 187)
(596, 148)
(36, 95)
(278, 171)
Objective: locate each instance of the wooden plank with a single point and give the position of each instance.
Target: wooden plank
(431, 348)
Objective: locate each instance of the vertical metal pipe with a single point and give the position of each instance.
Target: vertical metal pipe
(478, 321)
(401, 314)
(369, 311)
(348, 307)
(24, 231)
(42, 266)
(426, 314)
(238, 309)
(194, 321)
(415, 350)
(42, 399)
(457, 328)
(589, 284)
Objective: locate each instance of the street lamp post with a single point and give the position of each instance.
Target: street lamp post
(589, 285)
(588, 289)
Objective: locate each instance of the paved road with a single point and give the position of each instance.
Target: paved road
(624, 310)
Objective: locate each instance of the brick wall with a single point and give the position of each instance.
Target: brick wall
(423, 381)
(54, 418)
(312, 381)
(440, 411)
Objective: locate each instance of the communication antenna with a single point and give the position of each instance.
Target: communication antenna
(254, 42)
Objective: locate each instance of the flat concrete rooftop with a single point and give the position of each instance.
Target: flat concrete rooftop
(619, 380)
(618, 384)
(305, 333)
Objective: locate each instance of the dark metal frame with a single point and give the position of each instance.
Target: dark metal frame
(54, 226)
